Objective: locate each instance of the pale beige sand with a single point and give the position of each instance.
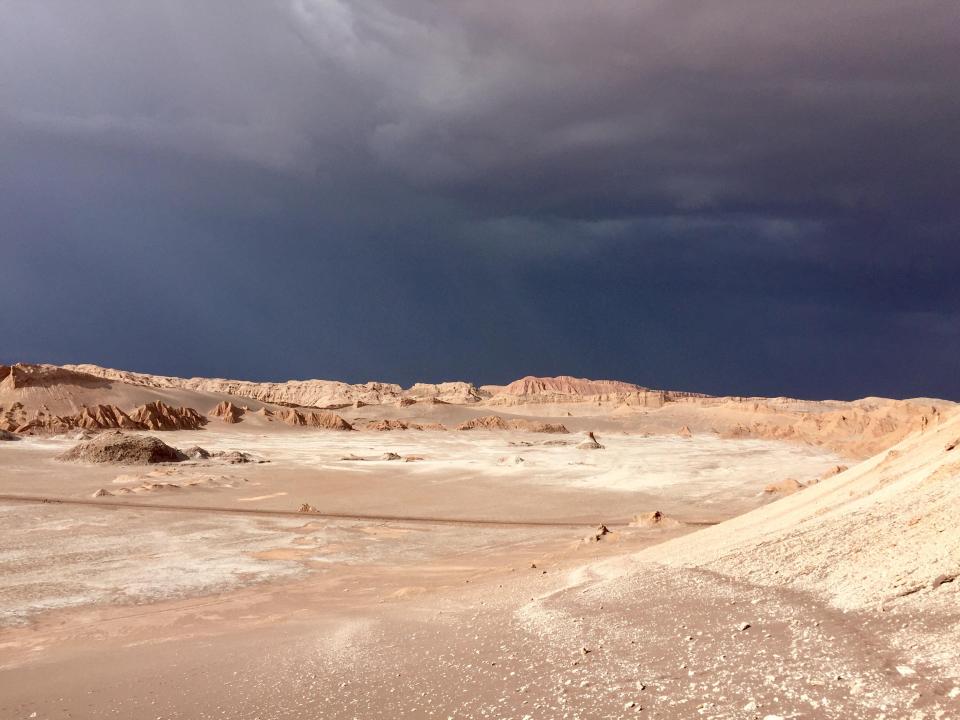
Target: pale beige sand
(201, 593)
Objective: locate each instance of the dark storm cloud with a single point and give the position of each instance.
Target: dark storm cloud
(740, 196)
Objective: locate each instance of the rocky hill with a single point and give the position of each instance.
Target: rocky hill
(52, 398)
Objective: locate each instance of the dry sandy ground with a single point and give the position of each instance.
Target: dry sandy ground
(492, 599)
(491, 640)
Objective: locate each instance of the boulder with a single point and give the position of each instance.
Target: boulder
(120, 449)
(783, 487)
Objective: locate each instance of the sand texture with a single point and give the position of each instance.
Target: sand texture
(551, 548)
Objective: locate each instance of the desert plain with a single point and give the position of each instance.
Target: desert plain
(550, 548)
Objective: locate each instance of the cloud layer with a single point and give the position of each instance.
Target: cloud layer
(736, 197)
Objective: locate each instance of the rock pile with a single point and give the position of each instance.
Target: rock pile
(120, 449)
(591, 443)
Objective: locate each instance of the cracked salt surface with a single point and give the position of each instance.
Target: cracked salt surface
(49, 562)
(700, 464)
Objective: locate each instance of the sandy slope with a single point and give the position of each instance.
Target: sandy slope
(884, 529)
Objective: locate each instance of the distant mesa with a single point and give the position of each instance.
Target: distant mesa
(567, 389)
(317, 419)
(459, 393)
(486, 422)
(567, 385)
(21, 376)
(388, 425)
(495, 422)
(538, 427)
(298, 393)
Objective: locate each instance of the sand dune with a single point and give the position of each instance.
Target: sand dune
(875, 533)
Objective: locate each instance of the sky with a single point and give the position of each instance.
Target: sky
(747, 197)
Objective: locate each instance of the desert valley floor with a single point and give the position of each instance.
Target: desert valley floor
(553, 548)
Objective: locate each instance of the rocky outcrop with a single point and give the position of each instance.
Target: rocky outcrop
(103, 417)
(591, 443)
(538, 427)
(495, 422)
(80, 396)
(197, 453)
(117, 448)
(160, 416)
(152, 416)
(654, 518)
(460, 393)
(783, 487)
(389, 425)
(301, 393)
(228, 412)
(486, 422)
(566, 389)
(316, 419)
(858, 429)
(22, 375)
(567, 385)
